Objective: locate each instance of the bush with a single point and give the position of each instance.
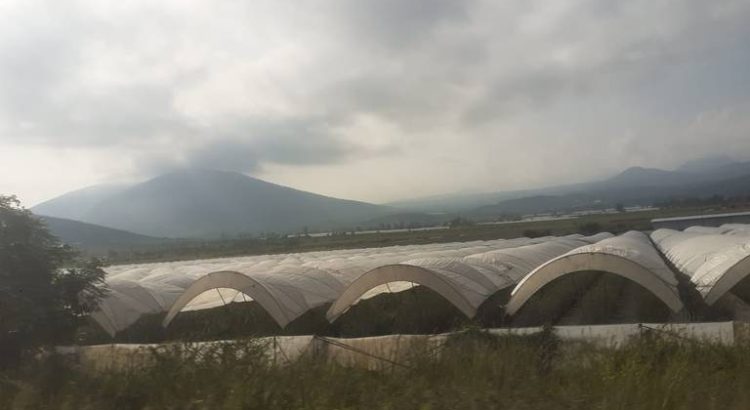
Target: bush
(44, 290)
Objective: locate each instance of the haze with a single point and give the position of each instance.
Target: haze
(370, 100)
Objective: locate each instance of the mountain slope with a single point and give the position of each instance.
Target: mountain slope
(97, 238)
(206, 203)
(75, 204)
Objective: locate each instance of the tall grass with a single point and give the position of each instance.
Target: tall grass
(473, 370)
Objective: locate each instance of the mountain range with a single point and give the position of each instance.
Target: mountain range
(633, 186)
(213, 204)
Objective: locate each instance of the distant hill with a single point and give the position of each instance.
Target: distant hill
(636, 185)
(641, 177)
(706, 164)
(96, 238)
(207, 203)
(630, 188)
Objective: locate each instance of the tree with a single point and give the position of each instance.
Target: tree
(458, 222)
(45, 289)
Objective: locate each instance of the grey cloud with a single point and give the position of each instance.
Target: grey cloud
(414, 103)
(293, 142)
(225, 155)
(478, 75)
(249, 144)
(33, 65)
(397, 24)
(643, 70)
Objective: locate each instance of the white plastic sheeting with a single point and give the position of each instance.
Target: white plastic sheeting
(285, 292)
(466, 281)
(707, 229)
(726, 229)
(736, 229)
(715, 263)
(285, 285)
(630, 255)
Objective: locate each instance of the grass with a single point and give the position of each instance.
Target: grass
(472, 371)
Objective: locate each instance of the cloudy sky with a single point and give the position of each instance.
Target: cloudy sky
(374, 100)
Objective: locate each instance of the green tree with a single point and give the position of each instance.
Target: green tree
(45, 290)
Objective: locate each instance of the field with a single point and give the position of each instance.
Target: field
(614, 223)
(473, 370)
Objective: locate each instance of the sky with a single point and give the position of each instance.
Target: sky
(375, 100)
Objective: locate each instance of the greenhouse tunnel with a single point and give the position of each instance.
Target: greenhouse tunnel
(717, 263)
(620, 278)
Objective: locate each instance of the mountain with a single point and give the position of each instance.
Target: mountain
(461, 203)
(641, 177)
(706, 164)
(94, 238)
(76, 204)
(635, 185)
(728, 171)
(210, 204)
(692, 173)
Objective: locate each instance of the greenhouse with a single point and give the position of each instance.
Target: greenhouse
(628, 270)
(288, 285)
(716, 263)
(630, 256)
(466, 282)
(285, 285)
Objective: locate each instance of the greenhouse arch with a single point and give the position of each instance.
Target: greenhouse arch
(231, 280)
(729, 280)
(603, 262)
(401, 273)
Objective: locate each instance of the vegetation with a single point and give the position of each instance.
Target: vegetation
(458, 222)
(472, 370)
(270, 244)
(44, 289)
